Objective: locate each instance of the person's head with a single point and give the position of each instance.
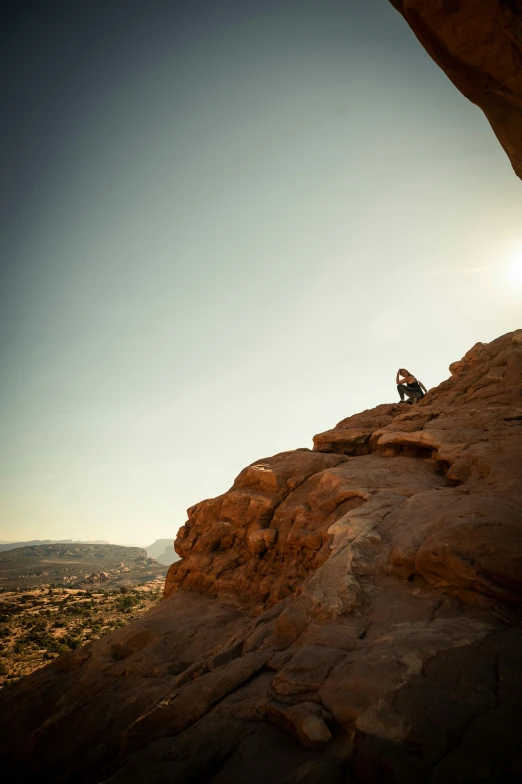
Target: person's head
(404, 372)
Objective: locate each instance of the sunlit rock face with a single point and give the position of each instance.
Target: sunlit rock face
(385, 489)
(479, 47)
(347, 613)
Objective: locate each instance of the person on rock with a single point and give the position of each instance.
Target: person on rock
(409, 386)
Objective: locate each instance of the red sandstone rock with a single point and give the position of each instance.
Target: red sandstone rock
(479, 47)
(306, 670)
(236, 542)
(366, 599)
(290, 624)
(307, 722)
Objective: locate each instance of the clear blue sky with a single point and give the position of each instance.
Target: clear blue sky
(226, 224)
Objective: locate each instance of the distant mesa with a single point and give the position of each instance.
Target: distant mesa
(163, 551)
(13, 545)
(76, 565)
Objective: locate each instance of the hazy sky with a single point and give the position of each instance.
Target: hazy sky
(225, 225)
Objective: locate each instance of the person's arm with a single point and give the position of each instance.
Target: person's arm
(422, 386)
(405, 380)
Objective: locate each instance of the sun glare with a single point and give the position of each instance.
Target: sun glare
(514, 268)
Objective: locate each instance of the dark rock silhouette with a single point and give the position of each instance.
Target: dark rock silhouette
(479, 47)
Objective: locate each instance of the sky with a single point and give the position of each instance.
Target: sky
(224, 225)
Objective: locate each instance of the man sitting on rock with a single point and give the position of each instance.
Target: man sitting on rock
(409, 386)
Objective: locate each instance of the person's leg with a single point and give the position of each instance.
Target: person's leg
(402, 389)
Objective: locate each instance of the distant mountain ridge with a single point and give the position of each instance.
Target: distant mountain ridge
(77, 564)
(163, 551)
(13, 545)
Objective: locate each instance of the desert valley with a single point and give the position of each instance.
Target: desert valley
(55, 597)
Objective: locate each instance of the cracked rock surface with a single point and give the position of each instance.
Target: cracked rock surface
(349, 613)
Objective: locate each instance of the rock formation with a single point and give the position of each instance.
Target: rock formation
(479, 47)
(349, 613)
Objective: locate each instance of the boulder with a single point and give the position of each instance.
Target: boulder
(307, 722)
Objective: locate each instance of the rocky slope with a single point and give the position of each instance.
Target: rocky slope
(479, 47)
(349, 613)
